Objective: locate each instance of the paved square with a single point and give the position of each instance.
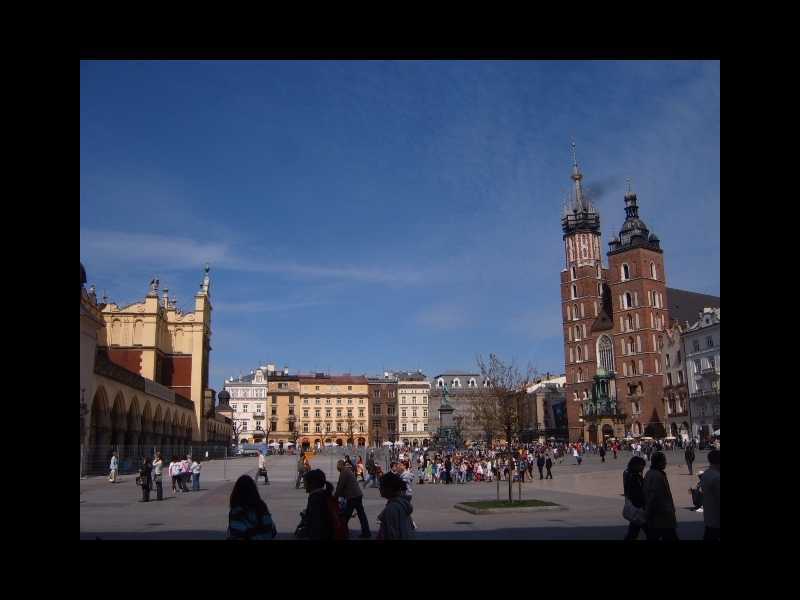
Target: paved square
(592, 493)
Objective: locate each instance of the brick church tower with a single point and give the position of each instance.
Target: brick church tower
(613, 322)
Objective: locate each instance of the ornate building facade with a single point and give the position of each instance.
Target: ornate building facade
(413, 391)
(141, 391)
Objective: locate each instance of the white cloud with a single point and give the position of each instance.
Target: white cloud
(443, 316)
(152, 252)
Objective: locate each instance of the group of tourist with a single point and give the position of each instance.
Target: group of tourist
(179, 472)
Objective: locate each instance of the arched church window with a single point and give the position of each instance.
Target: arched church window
(628, 300)
(625, 272)
(653, 270)
(605, 351)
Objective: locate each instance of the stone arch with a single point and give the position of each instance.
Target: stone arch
(147, 425)
(119, 422)
(99, 432)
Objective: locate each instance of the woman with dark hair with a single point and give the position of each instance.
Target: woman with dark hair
(659, 506)
(145, 475)
(633, 486)
(249, 518)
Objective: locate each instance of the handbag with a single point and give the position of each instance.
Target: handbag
(633, 514)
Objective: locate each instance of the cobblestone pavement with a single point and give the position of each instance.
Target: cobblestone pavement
(592, 493)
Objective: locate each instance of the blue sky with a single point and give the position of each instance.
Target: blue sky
(361, 216)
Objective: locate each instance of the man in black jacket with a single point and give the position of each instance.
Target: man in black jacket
(348, 488)
(689, 456)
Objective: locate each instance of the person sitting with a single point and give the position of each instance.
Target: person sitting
(249, 518)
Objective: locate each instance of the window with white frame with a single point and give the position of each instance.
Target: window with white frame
(625, 272)
(572, 272)
(574, 291)
(653, 270)
(628, 300)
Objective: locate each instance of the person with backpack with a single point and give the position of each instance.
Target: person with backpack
(347, 487)
(248, 517)
(689, 457)
(659, 506)
(395, 518)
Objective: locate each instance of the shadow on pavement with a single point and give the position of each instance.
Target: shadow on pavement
(686, 531)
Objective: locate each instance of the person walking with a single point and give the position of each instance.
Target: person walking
(158, 465)
(249, 517)
(395, 518)
(145, 474)
(447, 467)
(185, 473)
(633, 487)
(113, 468)
(577, 455)
(540, 463)
(659, 506)
(262, 467)
(301, 471)
(360, 469)
(710, 483)
(347, 487)
(689, 457)
(602, 453)
(614, 448)
(195, 475)
(548, 463)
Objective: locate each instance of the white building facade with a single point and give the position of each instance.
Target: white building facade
(413, 391)
(248, 404)
(701, 347)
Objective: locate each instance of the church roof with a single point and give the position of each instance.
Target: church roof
(684, 305)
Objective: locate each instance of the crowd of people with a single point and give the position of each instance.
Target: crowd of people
(649, 506)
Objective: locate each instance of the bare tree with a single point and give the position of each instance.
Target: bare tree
(350, 427)
(499, 407)
(237, 427)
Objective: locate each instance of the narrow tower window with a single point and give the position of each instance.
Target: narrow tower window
(625, 272)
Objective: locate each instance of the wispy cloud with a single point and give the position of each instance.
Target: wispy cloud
(152, 252)
(260, 306)
(443, 316)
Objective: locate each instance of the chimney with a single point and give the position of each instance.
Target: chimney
(285, 370)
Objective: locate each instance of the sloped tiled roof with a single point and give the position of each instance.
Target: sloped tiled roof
(684, 305)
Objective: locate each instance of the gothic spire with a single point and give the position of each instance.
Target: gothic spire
(576, 177)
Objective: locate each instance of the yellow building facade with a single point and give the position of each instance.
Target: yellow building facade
(333, 410)
(144, 377)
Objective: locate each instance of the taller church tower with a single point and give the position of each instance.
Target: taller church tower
(586, 312)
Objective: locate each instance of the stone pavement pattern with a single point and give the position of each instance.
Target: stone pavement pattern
(592, 492)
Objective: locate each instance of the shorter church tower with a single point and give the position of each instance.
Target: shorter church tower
(637, 281)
